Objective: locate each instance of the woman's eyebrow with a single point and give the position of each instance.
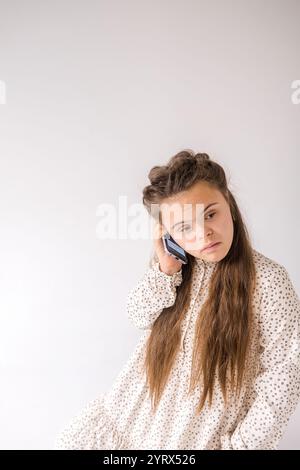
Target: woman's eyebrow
(205, 209)
(211, 204)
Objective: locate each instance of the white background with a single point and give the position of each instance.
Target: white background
(97, 92)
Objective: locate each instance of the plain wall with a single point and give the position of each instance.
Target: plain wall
(97, 93)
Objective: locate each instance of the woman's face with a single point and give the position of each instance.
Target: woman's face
(194, 225)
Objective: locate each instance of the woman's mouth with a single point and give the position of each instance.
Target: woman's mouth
(211, 247)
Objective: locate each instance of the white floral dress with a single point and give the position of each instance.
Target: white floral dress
(122, 418)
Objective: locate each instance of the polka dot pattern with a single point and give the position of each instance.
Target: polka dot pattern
(122, 417)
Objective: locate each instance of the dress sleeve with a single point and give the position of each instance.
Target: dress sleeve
(277, 384)
(154, 292)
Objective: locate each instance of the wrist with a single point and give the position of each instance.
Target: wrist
(167, 271)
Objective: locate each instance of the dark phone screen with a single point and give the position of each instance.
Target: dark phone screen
(174, 248)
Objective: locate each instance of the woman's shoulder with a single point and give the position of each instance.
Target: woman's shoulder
(267, 267)
(278, 302)
(271, 276)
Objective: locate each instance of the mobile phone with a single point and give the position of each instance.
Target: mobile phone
(173, 249)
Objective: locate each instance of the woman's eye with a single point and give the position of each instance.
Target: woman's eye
(185, 229)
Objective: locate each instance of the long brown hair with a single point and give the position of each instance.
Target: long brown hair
(223, 329)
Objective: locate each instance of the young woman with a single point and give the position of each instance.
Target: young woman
(218, 363)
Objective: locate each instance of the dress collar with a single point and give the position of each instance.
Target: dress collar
(206, 264)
